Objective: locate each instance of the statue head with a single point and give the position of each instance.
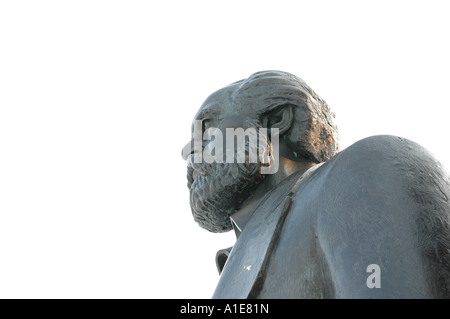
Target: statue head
(269, 100)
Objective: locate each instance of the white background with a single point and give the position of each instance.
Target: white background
(96, 102)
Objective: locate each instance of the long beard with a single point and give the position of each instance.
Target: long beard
(217, 190)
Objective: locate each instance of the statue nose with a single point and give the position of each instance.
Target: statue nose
(186, 150)
(191, 148)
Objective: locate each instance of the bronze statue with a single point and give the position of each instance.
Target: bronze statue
(370, 221)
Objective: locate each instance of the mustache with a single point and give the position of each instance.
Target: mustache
(250, 151)
(246, 169)
(196, 169)
(216, 196)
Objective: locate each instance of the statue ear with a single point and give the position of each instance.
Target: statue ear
(281, 118)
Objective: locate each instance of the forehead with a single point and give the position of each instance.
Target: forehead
(218, 103)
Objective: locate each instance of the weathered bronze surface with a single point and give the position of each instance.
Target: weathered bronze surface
(316, 227)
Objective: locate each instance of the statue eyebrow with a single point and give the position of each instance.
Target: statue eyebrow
(208, 113)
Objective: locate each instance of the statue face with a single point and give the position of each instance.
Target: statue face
(217, 190)
(272, 100)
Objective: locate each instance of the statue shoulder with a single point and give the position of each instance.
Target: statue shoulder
(385, 200)
(375, 164)
(374, 161)
(386, 174)
(388, 152)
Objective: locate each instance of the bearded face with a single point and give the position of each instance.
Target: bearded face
(217, 190)
(280, 101)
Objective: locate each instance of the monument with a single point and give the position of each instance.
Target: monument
(311, 221)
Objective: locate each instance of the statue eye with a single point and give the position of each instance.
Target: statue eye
(205, 125)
